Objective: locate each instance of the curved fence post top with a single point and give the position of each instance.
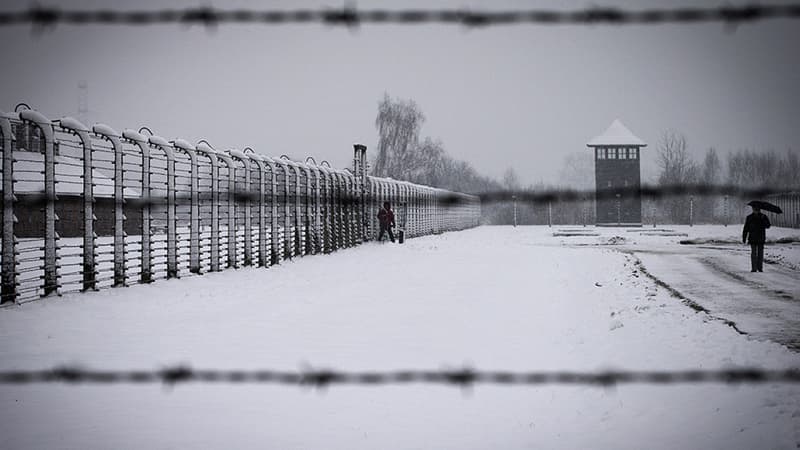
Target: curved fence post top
(72, 124)
(29, 115)
(105, 131)
(161, 143)
(158, 140)
(134, 136)
(224, 157)
(245, 159)
(268, 161)
(254, 156)
(292, 164)
(182, 145)
(186, 148)
(34, 116)
(257, 159)
(281, 162)
(203, 147)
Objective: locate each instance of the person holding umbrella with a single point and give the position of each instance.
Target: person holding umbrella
(755, 233)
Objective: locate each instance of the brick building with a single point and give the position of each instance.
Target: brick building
(617, 176)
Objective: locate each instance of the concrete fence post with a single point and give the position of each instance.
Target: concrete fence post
(244, 199)
(258, 160)
(317, 211)
(50, 258)
(231, 201)
(203, 148)
(273, 201)
(132, 137)
(172, 232)
(108, 134)
(194, 203)
(287, 215)
(89, 262)
(8, 292)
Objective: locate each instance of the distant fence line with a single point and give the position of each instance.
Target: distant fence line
(676, 204)
(789, 202)
(85, 209)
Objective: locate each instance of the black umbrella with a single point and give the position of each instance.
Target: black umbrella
(766, 206)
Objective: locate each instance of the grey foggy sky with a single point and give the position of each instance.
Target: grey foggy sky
(521, 96)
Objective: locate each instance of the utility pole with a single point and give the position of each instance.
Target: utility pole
(725, 211)
(514, 197)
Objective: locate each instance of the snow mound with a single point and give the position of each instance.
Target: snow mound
(616, 240)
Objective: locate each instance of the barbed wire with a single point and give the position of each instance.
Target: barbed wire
(530, 196)
(349, 16)
(460, 377)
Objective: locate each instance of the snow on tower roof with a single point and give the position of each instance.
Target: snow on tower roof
(616, 134)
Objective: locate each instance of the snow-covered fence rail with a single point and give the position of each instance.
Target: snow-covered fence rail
(90, 208)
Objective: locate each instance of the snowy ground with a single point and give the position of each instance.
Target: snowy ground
(710, 268)
(491, 298)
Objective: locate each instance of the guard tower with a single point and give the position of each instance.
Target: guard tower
(617, 176)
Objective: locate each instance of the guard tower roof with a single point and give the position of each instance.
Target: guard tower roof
(616, 134)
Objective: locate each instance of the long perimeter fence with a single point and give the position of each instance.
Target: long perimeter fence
(87, 208)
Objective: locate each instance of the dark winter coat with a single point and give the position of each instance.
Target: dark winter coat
(386, 218)
(755, 228)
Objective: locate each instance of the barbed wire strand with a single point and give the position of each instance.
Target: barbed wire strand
(349, 16)
(530, 196)
(461, 377)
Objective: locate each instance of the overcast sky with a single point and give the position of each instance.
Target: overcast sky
(521, 96)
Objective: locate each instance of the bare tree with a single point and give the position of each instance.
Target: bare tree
(674, 161)
(750, 169)
(677, 168)
(399, 122)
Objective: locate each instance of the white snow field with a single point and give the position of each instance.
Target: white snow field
(491, 298)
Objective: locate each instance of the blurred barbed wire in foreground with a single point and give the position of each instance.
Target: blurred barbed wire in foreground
(349, 16)
(531, 196)
(461, 377)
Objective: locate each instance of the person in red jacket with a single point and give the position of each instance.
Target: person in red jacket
(754, 233)
(386, 220)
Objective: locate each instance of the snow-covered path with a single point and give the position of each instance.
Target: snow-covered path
(717, 277)
(490, 298)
